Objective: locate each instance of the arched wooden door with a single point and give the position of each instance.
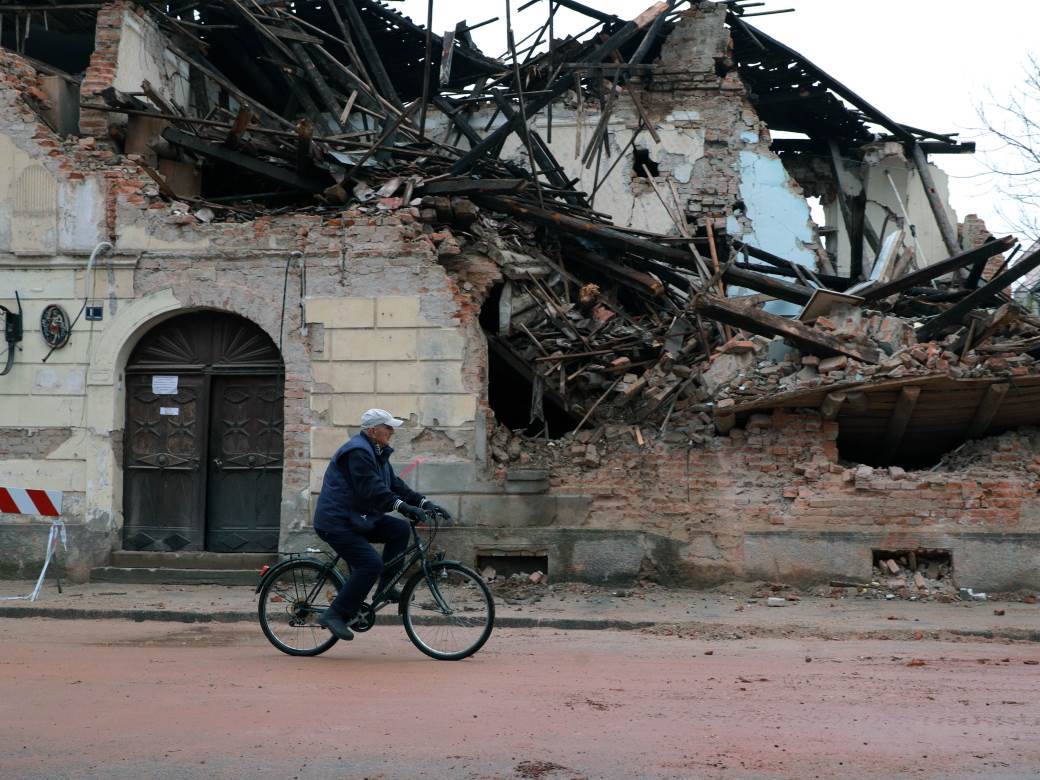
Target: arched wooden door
(203, 454)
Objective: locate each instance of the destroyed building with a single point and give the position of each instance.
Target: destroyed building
(229, 227)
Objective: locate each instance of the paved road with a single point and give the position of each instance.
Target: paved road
(118, 699)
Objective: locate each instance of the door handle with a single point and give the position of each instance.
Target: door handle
(218, 462)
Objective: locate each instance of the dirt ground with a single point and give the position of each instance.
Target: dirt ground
(118, 699)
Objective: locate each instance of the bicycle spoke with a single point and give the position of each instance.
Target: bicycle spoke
(450, 614)
(289, 615)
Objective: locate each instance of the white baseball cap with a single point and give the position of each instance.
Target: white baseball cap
(374, 417)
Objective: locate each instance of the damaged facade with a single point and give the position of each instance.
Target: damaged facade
(602, 367)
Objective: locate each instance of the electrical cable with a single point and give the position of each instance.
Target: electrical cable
(88, 288)
(285, 288)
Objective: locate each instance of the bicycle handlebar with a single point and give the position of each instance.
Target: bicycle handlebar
(429, 515)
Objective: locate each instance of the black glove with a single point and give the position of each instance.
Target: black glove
(412, 512)
(437, 509)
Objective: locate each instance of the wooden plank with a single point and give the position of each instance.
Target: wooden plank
(581, 8)
(853, 211)
(987, 409)
(899, 421)
(757, 321)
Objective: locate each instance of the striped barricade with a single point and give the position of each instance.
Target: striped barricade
(41, 503)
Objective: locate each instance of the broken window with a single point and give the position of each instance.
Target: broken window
(642, 164)
(516, 388)
(62, 37)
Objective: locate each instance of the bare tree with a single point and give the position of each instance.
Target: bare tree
(1014, 123)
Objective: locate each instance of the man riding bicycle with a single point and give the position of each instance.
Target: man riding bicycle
(359, 488)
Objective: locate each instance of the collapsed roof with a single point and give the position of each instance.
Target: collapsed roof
(294, 105)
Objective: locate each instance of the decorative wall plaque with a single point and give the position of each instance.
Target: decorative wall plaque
(54, 324)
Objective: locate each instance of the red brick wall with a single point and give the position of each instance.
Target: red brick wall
(783, 472)
(102, 69)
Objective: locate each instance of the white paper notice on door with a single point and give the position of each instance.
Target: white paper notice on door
(169, 411)
(164, 385)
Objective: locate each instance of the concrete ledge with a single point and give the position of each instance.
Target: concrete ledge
(982, 560)
(175, 576)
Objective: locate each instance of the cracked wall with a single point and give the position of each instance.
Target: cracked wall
(712, 148)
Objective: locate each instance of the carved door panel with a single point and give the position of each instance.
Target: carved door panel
(165, 483)
(203, 467)
(243, 503)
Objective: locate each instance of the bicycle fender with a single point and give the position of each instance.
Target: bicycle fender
(281, 565)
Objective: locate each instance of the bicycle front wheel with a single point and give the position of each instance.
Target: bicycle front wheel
(291, 601)
(449, 613)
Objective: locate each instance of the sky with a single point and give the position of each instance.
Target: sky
(925, 63)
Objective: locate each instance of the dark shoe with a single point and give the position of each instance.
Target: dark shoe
(393, 595)
(335, 623)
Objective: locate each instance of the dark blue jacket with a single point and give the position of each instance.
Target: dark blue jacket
(359, 485)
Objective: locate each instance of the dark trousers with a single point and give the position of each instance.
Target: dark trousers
(365, 564)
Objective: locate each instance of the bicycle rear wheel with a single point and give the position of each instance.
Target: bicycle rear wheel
(291, 602)
(449, 614)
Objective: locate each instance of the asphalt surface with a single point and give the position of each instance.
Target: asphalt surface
(168, 700)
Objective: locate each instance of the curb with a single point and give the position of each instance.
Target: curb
(185, 616)
(559, 624)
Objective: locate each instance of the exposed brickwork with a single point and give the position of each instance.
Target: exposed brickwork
(30, 443)
(973, 234)
(102, 69)
(783, 472)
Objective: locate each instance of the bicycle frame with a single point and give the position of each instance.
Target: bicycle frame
(417, 550)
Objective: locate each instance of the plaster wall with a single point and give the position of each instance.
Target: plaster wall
(713, 150)
(144, 56)
(884, 199)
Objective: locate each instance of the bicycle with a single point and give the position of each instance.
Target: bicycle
(441, 600)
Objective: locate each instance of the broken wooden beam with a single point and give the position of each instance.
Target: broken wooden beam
(371, 52)
(222, 154)
(629, 277)
(619, 239)
(979, 297)
(936, 270)
(942, 219)
(242, 120)
(558, 87)
(899, 421)
(465, 186)
(763, 323)
(987, 409)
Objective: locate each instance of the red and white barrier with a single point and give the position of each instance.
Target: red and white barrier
(26, 501)
(42, 503)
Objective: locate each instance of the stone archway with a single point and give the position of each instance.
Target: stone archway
(203, 450)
